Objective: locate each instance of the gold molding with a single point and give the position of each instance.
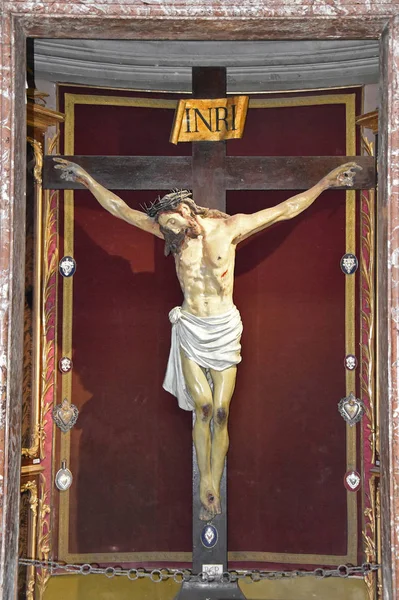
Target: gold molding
(350, 330)
(31, 469)
(369, 121)
(367, 375)
(41, 118)
(348, 100)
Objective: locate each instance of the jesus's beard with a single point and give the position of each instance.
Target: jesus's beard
(174, 241)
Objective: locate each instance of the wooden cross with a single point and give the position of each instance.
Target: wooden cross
(208, 173)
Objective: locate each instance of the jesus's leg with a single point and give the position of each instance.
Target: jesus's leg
(224, 383)
(200, 392)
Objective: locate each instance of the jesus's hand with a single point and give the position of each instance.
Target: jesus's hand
(71, 171)
(342, 175)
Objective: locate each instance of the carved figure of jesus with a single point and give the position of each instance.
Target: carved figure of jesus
(206, 329)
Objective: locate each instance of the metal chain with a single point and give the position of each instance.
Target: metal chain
(181, 575)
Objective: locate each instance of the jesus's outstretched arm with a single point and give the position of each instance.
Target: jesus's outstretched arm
(243, 226)
(110, 201)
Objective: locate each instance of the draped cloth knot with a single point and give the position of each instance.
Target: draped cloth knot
(211, 342)
(175, 314)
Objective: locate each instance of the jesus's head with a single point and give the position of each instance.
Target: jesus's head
(177, 216)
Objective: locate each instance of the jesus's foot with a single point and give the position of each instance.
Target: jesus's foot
(210, 504)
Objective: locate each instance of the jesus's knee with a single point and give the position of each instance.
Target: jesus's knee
(204, 406)
(221, 417)
(204, 409)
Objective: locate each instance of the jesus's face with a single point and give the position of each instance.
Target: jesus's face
(177, 220)
(176, 225)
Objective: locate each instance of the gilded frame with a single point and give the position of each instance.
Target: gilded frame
(71, 100)
(30, 486)
(35, 449)
(39, 118)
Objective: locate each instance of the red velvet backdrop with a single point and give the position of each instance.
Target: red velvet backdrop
(131, 447)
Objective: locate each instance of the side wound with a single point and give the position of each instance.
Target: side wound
(225, 273)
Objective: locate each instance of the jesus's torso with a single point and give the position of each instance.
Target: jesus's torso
(205, 269)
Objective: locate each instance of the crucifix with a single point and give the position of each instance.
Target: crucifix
(209, 173)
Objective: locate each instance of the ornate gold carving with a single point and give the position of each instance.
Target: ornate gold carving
(38, 151)
(33, 499)
(367, 375)
(50, 260)
(48, 370)
(48, 310)
(369, 535)
(31, 487)
(28, 437)
(32, 335)
(44, 538)
(49, 267)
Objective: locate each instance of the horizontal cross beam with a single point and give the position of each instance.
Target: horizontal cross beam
(241, 172)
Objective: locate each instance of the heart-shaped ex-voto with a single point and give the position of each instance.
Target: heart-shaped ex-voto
(65, 415)
(352, 481)
(351, 409)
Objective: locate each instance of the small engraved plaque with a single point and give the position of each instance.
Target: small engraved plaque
(213, 570)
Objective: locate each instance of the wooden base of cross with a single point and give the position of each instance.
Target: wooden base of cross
(209, 560)
(210, 591)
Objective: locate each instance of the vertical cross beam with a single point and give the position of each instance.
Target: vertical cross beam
(208, 161)
(208, 158)
(208, 168)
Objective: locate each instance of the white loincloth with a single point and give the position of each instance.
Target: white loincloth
(211, 342)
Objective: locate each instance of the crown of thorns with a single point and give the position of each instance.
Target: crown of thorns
(168, 202)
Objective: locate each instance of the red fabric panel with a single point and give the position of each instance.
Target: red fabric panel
(130, 441)
(290, 291)
(287, 452)
(131, 448)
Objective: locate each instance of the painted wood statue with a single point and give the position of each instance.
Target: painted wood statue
(206, 329)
